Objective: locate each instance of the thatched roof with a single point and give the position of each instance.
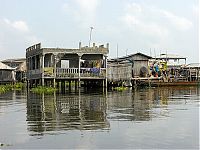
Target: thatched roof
(4, 66)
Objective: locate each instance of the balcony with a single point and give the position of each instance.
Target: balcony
(63, 73)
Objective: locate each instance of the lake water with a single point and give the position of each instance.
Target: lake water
(150, 118)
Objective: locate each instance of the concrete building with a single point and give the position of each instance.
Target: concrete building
(48, 66)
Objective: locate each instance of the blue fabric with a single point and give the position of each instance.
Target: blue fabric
(156, 69)
(95, 70)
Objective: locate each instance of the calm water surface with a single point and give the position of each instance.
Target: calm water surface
(166, 118)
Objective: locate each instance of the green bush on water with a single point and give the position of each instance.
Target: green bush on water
(5, 88)
(121, 88)
(17, 86)
(8, 87)
(43, 89)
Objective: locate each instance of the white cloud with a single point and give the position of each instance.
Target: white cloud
(179, 22)
(15, 36)
(82, 11)
(130, 20)
(134, 8)
(88, 5)
(21, 25)
(135, 18)
(18, 25)
(153, 21)
(195, 9)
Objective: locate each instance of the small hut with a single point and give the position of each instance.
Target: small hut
(20, 67)
(7, 74)
(138, 61)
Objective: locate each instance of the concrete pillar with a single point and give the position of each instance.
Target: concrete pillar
(42, 68)
(79, 45)
(35, 62)
(54, 79)
(79, 71)
(106, 78)
(30, 63)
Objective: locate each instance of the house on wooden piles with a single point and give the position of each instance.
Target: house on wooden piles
(52, 66)
(7, 74)
(192, 71)
(169, 67)
(19, 64)
(172, 60)
(128, 67)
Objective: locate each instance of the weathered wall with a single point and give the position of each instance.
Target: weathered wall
(119, 72)
(6, 75)
(137, 66)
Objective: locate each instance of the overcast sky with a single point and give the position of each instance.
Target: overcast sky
(134, 25)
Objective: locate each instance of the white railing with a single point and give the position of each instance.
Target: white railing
(66, 72)
(84, 72)
(70, 72)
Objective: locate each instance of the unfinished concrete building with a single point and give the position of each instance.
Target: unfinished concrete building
(55, 66)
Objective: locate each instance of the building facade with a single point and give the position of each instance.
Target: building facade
(49, 66)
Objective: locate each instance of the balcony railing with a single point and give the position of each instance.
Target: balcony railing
(84, 72)
(68, 72)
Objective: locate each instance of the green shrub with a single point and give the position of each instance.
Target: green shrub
(121, 88)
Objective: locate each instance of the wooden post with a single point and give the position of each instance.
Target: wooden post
(69, 84)
(28, 85)
(63, 86)
(76, 84)
(58, 85)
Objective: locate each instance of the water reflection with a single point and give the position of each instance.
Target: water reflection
(162, 117)
(66, 112)
(146, 104)
(83, 110)
(12, 97)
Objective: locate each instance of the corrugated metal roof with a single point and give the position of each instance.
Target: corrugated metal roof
(14, 60)
(170, 56)
(129, 56)
(193, 65)
(4, 66)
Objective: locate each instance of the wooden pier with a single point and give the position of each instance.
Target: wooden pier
(56, 66)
